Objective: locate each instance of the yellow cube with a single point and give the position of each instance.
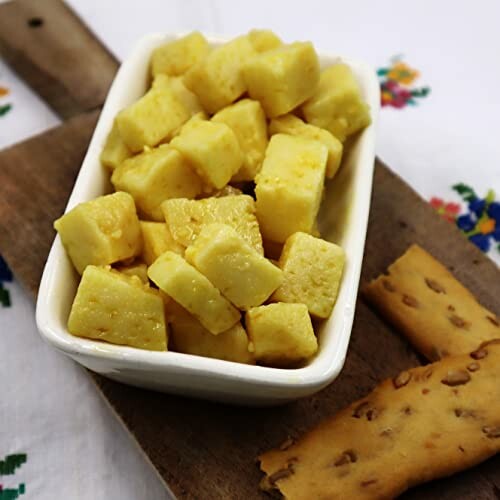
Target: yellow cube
(281, 335)
(312, 270)
(290, 185)
(189, 336)
(218, 79)
(115, 151)
(264, 40)
(201, 116)
(283, 78)
(136, 268)
(155, 176)
(242, 274)
(157, 240)
(118, 309)
(193, 291)
(186, 218)
(153, 117)
(292, 125)
(337, 104)
(247, 120)
(212, 149)
(101, 231)
(175, 58)
(185, 96)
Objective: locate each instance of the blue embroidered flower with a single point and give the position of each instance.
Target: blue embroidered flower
(482, 241)
(5, 275)
(494, 211)
(466, 222)
(477, 206)
(481, 224)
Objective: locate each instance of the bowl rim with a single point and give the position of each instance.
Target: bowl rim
(317, 374)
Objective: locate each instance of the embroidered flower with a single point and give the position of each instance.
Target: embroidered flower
(482, 222)
(4, 108)
(448, 211)
(402, 73)
(5, 275)
(395, 82)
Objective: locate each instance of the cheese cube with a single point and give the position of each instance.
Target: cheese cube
(175, 58)
(201, 116)
(155, 176)
(189, 336)
(118, 309)
(281, 335)
(337, 104)
(101, 231)
(212, 149)
(153, 117)
(157, 240)
(283, 78)
(137, 268)
(115, 151)
(242, 274)
(290, 185)
(263, 40)
(186, 218)
(290, 124)
(185, 96)
(248, 121)
(218, 79)
(312, 270)
(193, 291)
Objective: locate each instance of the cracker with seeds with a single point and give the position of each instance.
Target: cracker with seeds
(431, 307)
(426, 423)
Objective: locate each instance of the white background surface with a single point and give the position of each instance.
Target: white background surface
(48, 408)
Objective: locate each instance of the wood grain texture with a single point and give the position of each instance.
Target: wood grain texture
(56, 54)
(36, 178)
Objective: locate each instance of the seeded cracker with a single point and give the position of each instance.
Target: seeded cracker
(426, 423)
(435, 311)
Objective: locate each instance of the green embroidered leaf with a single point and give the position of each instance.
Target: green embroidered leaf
(5, 301)
(490, 197)
(12, 462)
(422, 92)
(469, 197)
(466, 192)
(5, 109)
(12, 493)
(382, 71)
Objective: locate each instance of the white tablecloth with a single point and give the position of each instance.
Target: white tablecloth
(58, 440)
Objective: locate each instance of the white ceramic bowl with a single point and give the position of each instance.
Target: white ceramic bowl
(343, 220)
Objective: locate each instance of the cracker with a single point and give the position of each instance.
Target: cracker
(435, 311)
(426, 423)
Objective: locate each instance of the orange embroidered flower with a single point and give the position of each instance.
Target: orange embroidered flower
(486, 226)
(3, 91)
(402, 73)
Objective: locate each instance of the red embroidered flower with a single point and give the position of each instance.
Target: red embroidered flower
(448, 211)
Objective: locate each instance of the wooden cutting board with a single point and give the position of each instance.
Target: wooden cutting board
(205, 450)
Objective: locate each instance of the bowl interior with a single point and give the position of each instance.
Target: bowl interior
(342, 220)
